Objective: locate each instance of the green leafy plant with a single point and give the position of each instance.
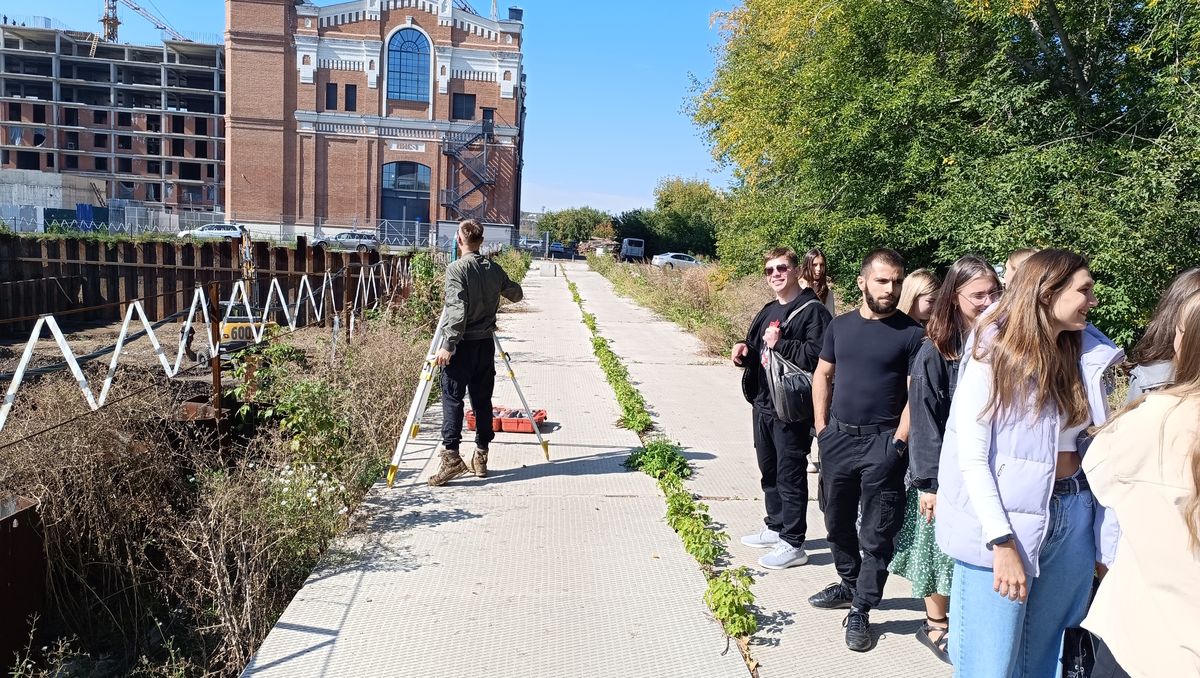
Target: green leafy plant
(659, 459)
(730, 599)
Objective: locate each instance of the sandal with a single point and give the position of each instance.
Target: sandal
(939, 647)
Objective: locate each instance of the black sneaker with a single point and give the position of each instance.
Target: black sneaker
(858, 630)
(833, 597)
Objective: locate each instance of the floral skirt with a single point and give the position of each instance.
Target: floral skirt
(918, 558)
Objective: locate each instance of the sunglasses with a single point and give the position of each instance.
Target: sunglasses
(778, 268)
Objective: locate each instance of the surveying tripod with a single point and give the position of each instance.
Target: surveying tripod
(412, 423)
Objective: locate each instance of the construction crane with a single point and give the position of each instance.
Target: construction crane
(110, 20)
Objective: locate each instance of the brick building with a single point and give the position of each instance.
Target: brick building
(145, 122)
(368, 110)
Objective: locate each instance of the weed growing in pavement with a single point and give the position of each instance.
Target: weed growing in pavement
(659, 458)
(730, 599)
(728, 594)
(690, 519)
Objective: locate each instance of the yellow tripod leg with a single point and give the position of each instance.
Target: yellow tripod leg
(524, 403)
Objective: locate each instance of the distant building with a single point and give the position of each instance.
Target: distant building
(405, 110)
(144, 122)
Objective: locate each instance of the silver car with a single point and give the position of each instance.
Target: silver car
(214, 232)
(357, 241)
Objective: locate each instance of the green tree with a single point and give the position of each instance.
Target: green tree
(686, 213)
(941, 127)
(573, 224)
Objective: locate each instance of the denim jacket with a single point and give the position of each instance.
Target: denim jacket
(996, 475)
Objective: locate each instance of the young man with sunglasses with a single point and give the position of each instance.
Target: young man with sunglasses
(793, 324)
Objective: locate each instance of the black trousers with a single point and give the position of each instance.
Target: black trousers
(862, 473)
(782, 451)
(472, 370)
(1106, 664)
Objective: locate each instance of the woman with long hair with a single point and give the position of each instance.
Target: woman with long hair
(1014, 509)
(814, 273)
(1145, 465)
(918, 294)
(971, 286)
(1153, 354)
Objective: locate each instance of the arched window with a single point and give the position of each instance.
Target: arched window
(408, 66)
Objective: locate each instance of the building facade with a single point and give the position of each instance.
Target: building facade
(370, 110)
(144, 122)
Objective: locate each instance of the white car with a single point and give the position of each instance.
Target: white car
(674, 260)
(351, 240)
(214, 232)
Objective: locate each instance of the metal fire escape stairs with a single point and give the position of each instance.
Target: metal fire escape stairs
(470, 172)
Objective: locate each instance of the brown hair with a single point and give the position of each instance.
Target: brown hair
(920, 282)
(883, 255)
(472, 232)
(819, 287)
(1027, 360)
(945, 327)
(781, 252)
(1187, 385)
(1157, 344)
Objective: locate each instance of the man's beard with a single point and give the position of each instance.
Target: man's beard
(878, 306)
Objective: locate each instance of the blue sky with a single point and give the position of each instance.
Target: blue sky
(608, 83)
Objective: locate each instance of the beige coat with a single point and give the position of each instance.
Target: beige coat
(1148, 607)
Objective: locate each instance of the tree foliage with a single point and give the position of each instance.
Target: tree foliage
(684, 218)
(942, 127)
(573, 224)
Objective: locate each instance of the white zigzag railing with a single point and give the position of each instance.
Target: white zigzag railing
(370, 279)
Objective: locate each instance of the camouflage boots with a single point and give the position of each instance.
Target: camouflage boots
(452, 467)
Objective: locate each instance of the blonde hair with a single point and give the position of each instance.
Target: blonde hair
(917, 284)
(1015, 259)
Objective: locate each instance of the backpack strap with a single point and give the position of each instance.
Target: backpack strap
(796, 312)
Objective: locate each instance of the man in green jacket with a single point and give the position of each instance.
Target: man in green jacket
(474, 285)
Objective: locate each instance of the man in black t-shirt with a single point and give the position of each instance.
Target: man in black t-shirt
(861, 420)
(793, 324)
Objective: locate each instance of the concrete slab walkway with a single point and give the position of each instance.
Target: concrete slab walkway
(543, 569)
(697, 401)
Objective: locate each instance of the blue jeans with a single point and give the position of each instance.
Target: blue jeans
(994, 637)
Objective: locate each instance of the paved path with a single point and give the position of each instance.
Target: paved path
(543, 569)
(697, 401)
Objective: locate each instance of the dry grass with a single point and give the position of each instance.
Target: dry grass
(169, 555)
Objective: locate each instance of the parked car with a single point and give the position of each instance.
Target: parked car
(214, 232)
(358, 241)
(674, 260)
(632, 248)
(556, 248)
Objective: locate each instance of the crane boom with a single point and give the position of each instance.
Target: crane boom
(110, 20)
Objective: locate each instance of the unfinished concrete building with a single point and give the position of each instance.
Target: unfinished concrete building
(148, 120)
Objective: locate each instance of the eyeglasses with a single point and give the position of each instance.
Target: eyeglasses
(778, 268)
(980, 297)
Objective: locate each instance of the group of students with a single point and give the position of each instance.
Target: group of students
(966, 443)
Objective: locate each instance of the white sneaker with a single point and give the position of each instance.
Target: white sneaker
(783, 556)
(766, 539)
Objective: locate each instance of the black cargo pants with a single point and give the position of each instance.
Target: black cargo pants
(862, 471)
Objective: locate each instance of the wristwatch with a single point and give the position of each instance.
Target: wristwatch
(1001, 540)
(900, 445)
